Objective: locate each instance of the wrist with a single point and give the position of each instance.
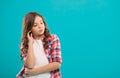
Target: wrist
(30, 43)
(34, 71)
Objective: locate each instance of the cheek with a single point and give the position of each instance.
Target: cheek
(33, 31)
(44, 27)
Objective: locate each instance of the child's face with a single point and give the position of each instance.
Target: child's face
(38, 26)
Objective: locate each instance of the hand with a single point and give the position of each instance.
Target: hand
(30, 37)
(29, 72)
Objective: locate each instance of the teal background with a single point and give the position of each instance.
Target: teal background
(89, 31)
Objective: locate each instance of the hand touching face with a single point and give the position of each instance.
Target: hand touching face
(30, 37)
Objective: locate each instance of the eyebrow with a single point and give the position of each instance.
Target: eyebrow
(40, 21)
(35, 23)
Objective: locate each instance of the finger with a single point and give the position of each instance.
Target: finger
(28, 34)
(31, 35)
(26, 73)
(26, 70)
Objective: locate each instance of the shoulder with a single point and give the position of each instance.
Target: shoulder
(53, 37)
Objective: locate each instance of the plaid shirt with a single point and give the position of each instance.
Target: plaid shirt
(53, 54)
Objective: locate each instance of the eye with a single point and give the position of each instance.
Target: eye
(41, 23)
(35, 25)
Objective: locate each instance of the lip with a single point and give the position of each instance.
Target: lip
(40, 30)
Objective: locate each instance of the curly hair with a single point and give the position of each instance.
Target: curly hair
(27, 26)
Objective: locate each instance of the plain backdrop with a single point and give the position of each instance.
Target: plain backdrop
(89, 32)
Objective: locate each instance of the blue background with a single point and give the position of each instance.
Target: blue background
(89, 31)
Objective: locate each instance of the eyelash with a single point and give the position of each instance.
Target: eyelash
(35, 25)
(40, 23)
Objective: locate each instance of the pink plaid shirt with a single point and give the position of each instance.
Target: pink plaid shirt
(53, 54)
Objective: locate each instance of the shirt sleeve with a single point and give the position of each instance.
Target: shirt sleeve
(56, 49)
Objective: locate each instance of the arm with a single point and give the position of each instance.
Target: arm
(30, 59)
(56, 60)
(47, 68)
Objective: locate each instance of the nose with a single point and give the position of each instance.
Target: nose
(39, 25)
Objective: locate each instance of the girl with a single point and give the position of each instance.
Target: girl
(40, 50)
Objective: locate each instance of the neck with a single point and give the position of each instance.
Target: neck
(37, 37)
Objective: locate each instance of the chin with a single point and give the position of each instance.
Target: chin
(41, 33)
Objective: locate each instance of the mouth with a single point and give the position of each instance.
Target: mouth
(40, 30)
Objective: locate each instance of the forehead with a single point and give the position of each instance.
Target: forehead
(38, 19)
